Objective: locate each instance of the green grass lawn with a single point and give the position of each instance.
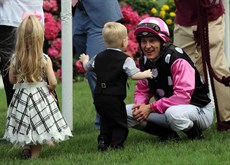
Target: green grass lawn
(140, 148)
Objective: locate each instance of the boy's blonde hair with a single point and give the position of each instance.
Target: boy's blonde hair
(113, 34)
(29, 50)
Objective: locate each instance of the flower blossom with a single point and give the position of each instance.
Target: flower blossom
(52, 52)
(50, 5)
(79, 67)
(51, 29)
(165, 7)
(154, 10)
(58, 73)
(168, 21)
(172, 14)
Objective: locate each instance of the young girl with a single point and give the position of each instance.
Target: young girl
(33, 117)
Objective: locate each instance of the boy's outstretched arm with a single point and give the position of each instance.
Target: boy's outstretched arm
(142, 75)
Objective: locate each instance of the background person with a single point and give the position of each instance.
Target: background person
(88, 21)
(185, 36)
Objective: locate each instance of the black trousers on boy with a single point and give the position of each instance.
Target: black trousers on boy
(113, 129)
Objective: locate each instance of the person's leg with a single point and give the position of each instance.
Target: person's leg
(36, 151)
(190, 119)
(91, 77)
(79, 34)
(156, 118)
(7, 46)
(95, 44)
(156, 124)
(118, 123)
(7, 85)
(184, 38)
(26, 152)
(81, 25)
(113, 121)
(221, 68)
(104, 138)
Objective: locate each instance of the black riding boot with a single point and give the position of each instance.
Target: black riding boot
(194, 133)
(162, 132)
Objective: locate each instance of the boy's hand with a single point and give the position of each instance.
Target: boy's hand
(84, 58)
(149, 73)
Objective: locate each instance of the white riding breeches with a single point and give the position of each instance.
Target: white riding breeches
(178, 117)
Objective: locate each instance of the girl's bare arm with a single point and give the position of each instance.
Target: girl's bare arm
(50, 75)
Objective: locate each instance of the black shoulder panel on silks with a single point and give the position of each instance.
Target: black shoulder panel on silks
(176, 53)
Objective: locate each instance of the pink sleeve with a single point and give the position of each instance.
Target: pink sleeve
(183, 76)
(142, 93)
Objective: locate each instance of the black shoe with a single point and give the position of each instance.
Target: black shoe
(172, 136)
(194, 133)
(102, 143)
(26, 153)
(163, 133)
(102, 146)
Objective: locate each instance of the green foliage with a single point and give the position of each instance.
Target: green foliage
(140, 148)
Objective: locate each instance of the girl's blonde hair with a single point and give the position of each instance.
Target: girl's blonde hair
(113, 34)
(29, 50)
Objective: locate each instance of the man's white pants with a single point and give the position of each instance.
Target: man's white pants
(178, 118)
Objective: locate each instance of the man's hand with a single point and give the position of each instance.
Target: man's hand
(141, 111)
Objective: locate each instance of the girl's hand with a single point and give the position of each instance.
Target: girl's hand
(51, 88)
(53, 94)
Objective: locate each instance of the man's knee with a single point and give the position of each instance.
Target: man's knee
(177, 120)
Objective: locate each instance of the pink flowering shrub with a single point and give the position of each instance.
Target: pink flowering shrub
(52, 45)
(78, 67)
(53, 42)
(51, 28)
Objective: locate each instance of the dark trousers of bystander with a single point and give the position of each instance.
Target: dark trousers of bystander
(7, 45)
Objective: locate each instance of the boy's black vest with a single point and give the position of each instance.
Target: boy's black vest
(111, 79)
(162, 68)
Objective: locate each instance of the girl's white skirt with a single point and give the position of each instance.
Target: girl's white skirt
(33, 117)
